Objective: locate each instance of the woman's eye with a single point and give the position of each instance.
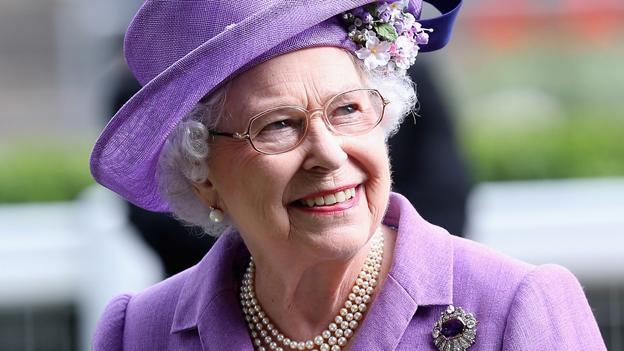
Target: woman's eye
(346, 109)
(282, 125)
(279, 125)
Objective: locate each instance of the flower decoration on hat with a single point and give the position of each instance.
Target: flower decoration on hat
(387, 35)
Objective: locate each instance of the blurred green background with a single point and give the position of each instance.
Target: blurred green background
(545, 114)
(41, 171)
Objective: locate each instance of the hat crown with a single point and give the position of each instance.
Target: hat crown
(164, 31)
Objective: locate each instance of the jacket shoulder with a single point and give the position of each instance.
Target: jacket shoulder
(550, 307)
(486, 270)
(521, 306)
(160, 299)
(109, 332)
(147, 315)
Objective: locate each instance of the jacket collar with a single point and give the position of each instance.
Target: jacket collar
(421, 275)
(423, 255)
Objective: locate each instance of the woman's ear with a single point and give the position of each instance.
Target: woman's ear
(207, 193)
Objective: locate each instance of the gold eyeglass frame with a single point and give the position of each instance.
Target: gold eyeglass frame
(308, 113)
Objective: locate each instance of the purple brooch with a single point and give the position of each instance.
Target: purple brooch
(456, 330)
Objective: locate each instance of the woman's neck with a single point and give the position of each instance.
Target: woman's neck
(302, 299)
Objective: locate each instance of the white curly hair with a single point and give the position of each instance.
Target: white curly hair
(183, 158)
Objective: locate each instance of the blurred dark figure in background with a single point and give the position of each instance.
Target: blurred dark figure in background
(440, 189)
(429, 141)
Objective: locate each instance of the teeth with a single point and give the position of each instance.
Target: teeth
(340, 196)
(330, 199)
(350, 193)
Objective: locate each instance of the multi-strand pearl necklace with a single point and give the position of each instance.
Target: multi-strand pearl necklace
(265, 335)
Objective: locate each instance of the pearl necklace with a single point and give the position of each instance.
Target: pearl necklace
(338, 332)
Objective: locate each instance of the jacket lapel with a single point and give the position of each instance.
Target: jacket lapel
(222, 326)
(421, 275)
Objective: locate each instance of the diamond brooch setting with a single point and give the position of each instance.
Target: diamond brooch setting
(456, 330)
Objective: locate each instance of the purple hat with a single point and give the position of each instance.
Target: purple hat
(182, 50)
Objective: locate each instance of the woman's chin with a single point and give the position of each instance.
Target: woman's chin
(339, 230)
(335, 243)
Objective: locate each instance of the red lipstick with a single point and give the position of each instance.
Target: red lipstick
(335, 208)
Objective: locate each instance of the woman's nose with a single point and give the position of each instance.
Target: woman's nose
(324, 148)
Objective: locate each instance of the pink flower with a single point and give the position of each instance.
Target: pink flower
(376, 53)
(393, 49)
(406, 52)
(404, 45)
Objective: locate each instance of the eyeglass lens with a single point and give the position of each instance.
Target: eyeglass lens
(350, 113)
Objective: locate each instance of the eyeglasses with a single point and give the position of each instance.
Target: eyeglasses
(283, 128)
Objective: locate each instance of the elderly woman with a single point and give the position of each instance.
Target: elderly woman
(266, 123)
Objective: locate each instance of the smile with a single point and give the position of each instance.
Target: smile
(337, 197)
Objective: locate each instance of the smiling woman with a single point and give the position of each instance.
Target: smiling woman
(264, 207)
(279, 146)
(187, 146)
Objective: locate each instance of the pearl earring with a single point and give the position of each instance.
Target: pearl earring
(215, 215)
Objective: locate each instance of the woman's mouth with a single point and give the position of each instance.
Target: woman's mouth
(329, 199)
(336, 200)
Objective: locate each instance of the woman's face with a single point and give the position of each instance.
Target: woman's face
(264, 195)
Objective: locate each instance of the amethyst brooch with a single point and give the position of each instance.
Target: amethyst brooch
(456, 330)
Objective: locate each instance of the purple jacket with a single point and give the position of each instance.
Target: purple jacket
(518, 306)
